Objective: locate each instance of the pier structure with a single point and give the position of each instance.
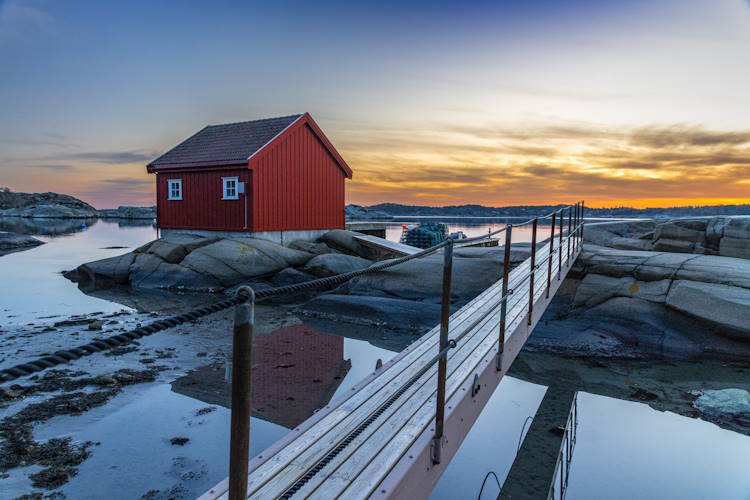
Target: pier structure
(394, 433)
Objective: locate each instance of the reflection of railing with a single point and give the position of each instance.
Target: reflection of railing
(565, 457)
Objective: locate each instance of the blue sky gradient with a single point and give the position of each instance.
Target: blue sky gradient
(429, 102)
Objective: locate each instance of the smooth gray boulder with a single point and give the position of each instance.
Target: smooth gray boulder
(735, 247)
(177, 278)
(732, 401)
(683, 230)
(10, 242)
(343, 241)
(111, 270)
(728, 307)
(397, 313)
(595, 289)
(174, 248)
(207, 264)
(518, 253)
(715, 269)
(670, 245)
(726, 236)
(142, 267)
(737, 227)
(231, 261)
(291, 276)
(315, 248)
(621, 235)
(334, 263)
(421, 279)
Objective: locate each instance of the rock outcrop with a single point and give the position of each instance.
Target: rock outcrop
(650, 304)
(725, 236)
(128, 212)
(358, 212)
(190, 262)
(10, 242)
(43, 206)
(204, 264)
(334, 263)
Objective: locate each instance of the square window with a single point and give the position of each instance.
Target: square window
(174, 189)
(230, 188)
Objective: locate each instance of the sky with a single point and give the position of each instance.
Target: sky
(642, 103)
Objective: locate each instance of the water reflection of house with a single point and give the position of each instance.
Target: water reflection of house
(296, 370)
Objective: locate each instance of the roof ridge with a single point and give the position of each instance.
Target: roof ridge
(297, 115)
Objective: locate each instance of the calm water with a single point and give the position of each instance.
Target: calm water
(624, 449)
(32, 283)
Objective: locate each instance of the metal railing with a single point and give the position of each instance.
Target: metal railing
(240, 431)
(574, 235)
(565, 457)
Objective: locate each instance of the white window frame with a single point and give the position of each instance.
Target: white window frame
(225, 190)
(173, 182)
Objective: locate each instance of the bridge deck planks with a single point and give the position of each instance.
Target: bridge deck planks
(366, 462)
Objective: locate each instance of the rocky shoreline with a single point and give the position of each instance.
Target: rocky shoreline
(616, 303)
(11, 242)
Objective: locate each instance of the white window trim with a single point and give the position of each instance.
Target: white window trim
(224, 188)
(169, 189)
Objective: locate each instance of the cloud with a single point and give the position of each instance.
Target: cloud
(18, 18)
(51, 166)
(683, 135)
(546, 163)
(111, 157)
(124, 182)
(124, 157)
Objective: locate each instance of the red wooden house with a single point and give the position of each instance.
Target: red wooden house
(278, 178)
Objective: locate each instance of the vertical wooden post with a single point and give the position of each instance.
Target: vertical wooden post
(504, 303)
(533, 266)
(239, 444)
(437, 443)
(559, 247)
(551, 252)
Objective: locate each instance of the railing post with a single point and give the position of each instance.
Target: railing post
(559, 248)
(551, 253)
(239, 443)
(575, 231)
(504, 296)
(570, 228)
(445, 311)
(533, 266)
(580, 236)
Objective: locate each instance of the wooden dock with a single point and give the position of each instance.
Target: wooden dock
(331, 455)
(384, 246)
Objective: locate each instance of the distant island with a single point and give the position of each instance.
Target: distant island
(62, 206)
(54, 205)
(391, 210)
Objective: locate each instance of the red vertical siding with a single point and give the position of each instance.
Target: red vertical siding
(298, 184)
(202, 206)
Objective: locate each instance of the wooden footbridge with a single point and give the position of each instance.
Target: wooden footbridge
(395, 432)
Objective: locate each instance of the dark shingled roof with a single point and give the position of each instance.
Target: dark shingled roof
(230, 143)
